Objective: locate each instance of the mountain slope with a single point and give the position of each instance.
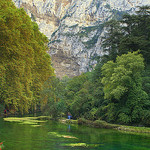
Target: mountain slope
(75, 28)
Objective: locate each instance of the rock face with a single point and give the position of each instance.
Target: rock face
(75, 28)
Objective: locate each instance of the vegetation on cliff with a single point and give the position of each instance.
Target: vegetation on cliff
(118, 89)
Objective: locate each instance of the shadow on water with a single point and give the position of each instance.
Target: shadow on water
(68, 137)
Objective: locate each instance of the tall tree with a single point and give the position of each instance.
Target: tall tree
(123, 87)
(25, 65)
(111, 40)
(129, 34)
(52, 97)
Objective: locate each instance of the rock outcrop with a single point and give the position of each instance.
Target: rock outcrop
(75, 28)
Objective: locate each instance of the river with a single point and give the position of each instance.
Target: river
(17, 136)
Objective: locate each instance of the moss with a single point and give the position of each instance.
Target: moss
(75, 144)
(26, 120)
(62, 136)
(80, 145)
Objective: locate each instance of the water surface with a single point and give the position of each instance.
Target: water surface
(25, 137)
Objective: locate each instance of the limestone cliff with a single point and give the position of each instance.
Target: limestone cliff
(75, 28)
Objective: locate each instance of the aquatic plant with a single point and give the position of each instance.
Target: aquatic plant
(60, 135)
(80, 145)
(26, 120)
(75, 144)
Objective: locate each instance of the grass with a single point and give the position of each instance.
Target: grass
(122, 128)
(134, 129)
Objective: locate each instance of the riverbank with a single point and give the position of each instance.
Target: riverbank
(104, 124)
(82, 121)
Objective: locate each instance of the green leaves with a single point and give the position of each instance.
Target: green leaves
(122, 82)
(52, 97)
(119, 76)
(129, 34)
(23, 60)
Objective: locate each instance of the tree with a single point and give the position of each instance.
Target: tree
(129, 34)
(136, 30)
(52, 97)
(122, 82)
(24, 63)
(111, 40)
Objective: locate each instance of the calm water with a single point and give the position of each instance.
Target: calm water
(25, 137)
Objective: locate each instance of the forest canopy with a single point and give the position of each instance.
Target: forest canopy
(24, 62)
(118, 88)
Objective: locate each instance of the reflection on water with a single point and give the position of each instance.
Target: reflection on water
(25, 137)
(68, 129)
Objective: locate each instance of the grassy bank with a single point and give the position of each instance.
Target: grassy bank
(104, 124)
(81, 121)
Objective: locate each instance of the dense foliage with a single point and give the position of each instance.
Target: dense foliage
(118, 89)
(52, 97)
(132, 33)
(123, 88)
(24, 63)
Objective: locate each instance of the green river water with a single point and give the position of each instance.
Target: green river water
(17, 136)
